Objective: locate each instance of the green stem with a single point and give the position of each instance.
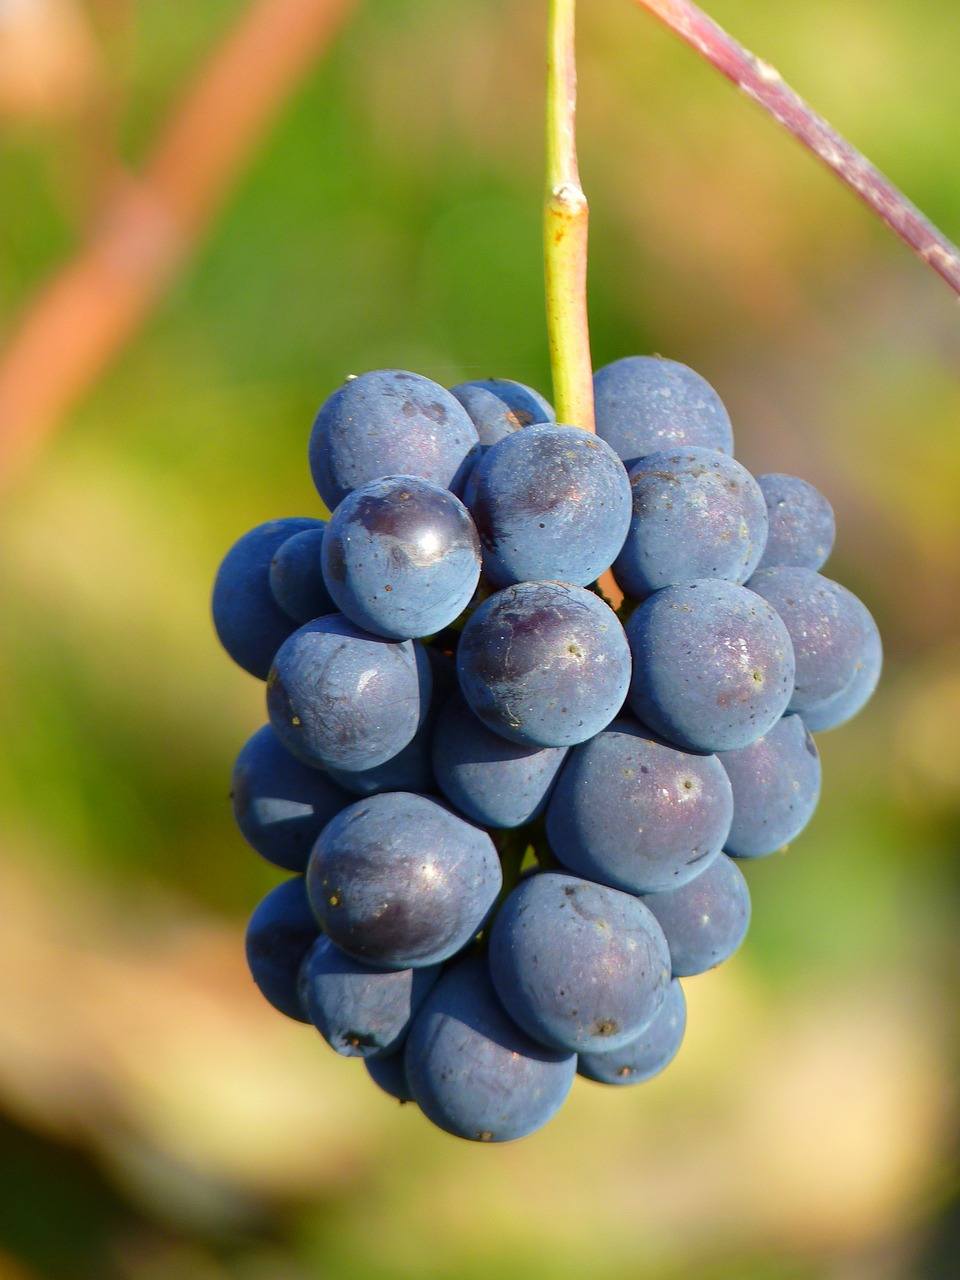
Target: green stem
(565, 219)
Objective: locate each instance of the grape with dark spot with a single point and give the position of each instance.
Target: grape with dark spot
(498, 407)
(705, 920)
(645, 1057)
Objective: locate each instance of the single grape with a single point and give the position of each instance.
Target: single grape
(633, 812)
(399, 882)
(644, 404)
(473, 1071)
(696, 514)
(704, 920)
(490, 780)
(801, 523)
(550, 502)
(654, 1048)
(544, 664)
(281, 931)
(713, 665)
(401, 557)
(296, 576)
(390, 423)
(390, 1074)
(776, 785)
(578, 965)
(250, 624)
(337, 696)
(828, 626)
(498, 407)
(280, 804)
(845, 705)
(360, 1011)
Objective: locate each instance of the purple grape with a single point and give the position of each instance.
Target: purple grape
(498, 407)
(645, 404)
(390, 1074)
(390, 423)
(401, 557)
(696, 514)
(802, 527)
(472, 1071)
(654, 1048)
(776, 785)
(296, 576)
(281, 931)
(713, 665)
(544, 664)
(339, 697)
(845, 705)
(631, 811)
(704, 920)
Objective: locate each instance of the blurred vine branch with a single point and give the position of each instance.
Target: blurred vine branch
(763, 83)
(151, 223)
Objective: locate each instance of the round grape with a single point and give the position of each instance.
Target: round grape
(646, 1056)
(281, 931)
(296, 576)
(705, 920)
(776, 785)
(801, 523)
(498, 407)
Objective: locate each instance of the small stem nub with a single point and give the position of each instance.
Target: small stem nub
(565, 221)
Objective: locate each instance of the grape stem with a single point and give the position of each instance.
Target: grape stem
(761, 82)
(565, 218)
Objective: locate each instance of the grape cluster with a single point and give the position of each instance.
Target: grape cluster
(515, 818)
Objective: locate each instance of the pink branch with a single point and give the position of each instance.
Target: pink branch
(761, 82)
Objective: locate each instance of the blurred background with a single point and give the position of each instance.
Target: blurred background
(210, 213)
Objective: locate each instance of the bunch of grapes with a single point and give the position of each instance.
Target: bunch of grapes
(515, 818)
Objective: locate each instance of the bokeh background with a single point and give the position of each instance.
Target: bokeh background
(210, 213)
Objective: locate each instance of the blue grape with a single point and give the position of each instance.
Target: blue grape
(399, 882)
(713, 665)
(280, 804)
(705, 920)
(801, 524)
(578, 965)
(412, 768)
(390, 1074)
(296, 576)
(845, 705)
(490, 780)
(250, 624)
(645, 404)
(696, 514)
(401, 557)
(776, 785)
(633, 812)
(361, 1012)
(472, 1071)
(828, 626)
(281, 931)
(498, 407)
(390, 423)
(337, 696)
(550, 502)
(544, 664)
(646, 1056)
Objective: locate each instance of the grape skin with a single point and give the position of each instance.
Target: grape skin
(696, 514)
(474, 1072)
(338, 696)
(776, 786)
(713, 665)
(296, 576)
(280, 804)
(646, 1056)
(544, 664)
(578, 965)
(398, 881)
(249, 623)
(499, 406)
(389, 1073)
(401, 557)
(549, 502)
(705, 920)
(281, 931)
(645, 404)
(490, 780)
(802, 528)
(389, 423)
(360, 1011)
(633, 812)
(845, 705)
